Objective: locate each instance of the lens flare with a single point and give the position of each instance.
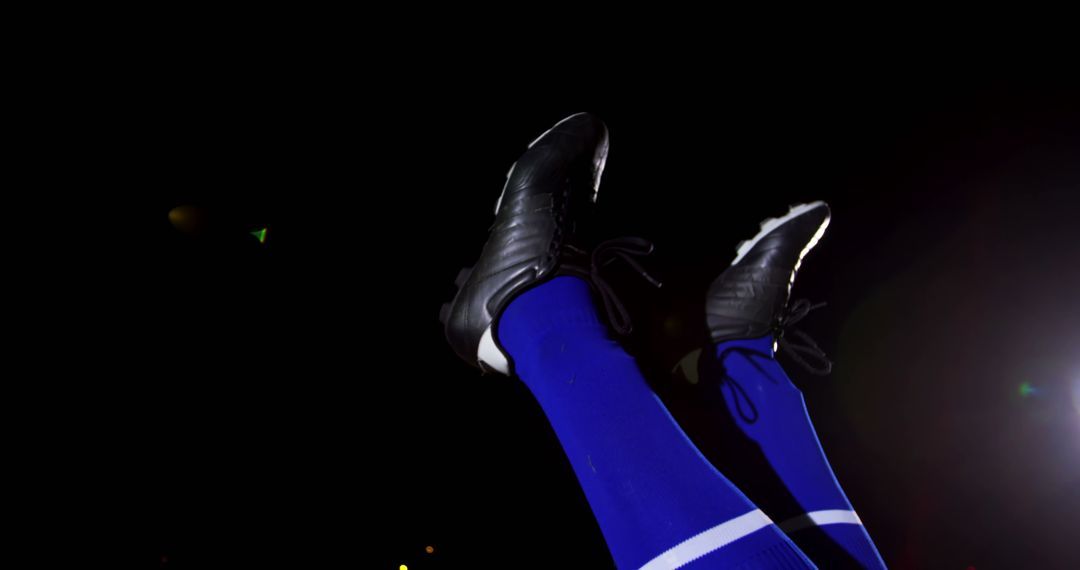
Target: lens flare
(1076, 395)
(188, 219)
(1025, 389)
(260, 235)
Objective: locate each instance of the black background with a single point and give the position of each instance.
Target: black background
(295, 400)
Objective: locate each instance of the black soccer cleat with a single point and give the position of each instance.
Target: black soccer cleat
(532, 239)
(749, 299)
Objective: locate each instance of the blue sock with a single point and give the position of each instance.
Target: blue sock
(658, 502)
(770, 410)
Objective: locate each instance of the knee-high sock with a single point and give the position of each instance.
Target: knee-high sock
(658, 502)
(770, 410)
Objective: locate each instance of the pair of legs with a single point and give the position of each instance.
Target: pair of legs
(529, 307)
(659, 502)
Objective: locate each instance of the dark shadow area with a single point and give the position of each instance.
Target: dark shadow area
(227, 402)
(701, 411)
(703, 414)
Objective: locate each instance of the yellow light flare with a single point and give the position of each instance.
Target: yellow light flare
(188, 219)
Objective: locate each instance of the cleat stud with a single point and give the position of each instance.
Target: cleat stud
(444, 313)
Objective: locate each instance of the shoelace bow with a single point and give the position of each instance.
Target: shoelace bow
(794, 313)
(808, 350)
(606, 252)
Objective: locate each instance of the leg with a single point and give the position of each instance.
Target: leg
(769, 410)
(659, 503)
(741, 381)
(526, 308)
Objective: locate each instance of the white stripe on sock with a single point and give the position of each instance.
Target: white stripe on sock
(819, 518)
(715, 538)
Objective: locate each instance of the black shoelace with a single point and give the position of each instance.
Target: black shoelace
(808, 350)
(800, 353)
(608, 251)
